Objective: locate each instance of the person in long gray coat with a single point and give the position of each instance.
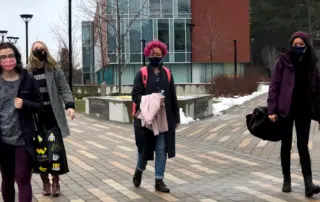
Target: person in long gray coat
(55, 89)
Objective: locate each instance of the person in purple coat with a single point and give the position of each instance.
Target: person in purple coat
(294, 97)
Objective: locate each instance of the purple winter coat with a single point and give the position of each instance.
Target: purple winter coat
(282, 84)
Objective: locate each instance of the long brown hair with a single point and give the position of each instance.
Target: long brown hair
(35, 63)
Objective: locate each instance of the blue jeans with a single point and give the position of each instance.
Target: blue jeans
(161, 157)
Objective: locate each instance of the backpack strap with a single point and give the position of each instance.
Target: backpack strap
(144, 73)
(168, 73)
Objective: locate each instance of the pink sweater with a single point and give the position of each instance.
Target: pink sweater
(153, 116)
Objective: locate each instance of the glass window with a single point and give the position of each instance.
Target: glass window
(163, 31)
(134, 8)
(179, 36)
(147, 29)
(123, 7)
(166, 58)
(135, 37)
(111, 36)
(218, 69)
(87, 55)
(189, 32)
(209, 72)
(167, 8)
(86, 78)
(85, 34)
(183, 8)
(135, 57)
(112, 58)
(155, 8)
(110, 6)
(180, 57)
(189, 57)
(86, 69)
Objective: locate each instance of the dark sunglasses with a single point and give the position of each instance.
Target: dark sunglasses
(10, 56)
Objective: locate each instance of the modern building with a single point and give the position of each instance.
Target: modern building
(88, 52)
(197, 32)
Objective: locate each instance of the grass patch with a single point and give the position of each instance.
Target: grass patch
(80, 106)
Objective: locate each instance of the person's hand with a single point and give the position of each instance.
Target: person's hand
(71, 113)
(177, 126)
(273, 117)
(18, 103)
(162, 100)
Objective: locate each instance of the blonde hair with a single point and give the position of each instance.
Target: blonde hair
(34, 62)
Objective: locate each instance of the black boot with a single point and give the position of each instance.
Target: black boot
(310, 188)
(137, 178)
(161, 187)
(286, 184)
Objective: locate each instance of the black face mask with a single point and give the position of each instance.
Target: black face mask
(41, 55)
(155, 61)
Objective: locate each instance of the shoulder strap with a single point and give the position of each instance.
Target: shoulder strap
(168, 73)
(144, 73)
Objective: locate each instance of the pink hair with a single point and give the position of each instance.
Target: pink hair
(155, 44)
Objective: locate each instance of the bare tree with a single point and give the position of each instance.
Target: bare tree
(63, 60)
(269, 57)
(60, 31)
(108, 28)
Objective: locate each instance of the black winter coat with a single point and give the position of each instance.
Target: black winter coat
(29, 92)
(145, 139)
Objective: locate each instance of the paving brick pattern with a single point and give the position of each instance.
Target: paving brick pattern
(217, 160)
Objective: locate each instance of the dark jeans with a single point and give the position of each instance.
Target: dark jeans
(303, 130)
(16, 165)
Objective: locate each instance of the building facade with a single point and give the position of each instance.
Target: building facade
(88, 59)
(201, 34)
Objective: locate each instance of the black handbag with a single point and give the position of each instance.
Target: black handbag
(259, 125)
(50, 154)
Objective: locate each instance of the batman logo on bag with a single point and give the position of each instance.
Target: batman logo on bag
(41, 151)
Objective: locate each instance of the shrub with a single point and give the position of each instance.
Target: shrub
(228, 86)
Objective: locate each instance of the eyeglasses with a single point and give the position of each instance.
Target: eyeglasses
(10, 56)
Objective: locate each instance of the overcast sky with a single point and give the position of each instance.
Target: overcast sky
(47, 13)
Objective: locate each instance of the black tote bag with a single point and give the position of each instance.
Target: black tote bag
(50, 153)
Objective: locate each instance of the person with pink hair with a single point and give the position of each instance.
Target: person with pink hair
(155, 78)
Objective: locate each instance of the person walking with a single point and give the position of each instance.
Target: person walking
(155, 78)
(294, 96)
(20, 98)
(53, 87)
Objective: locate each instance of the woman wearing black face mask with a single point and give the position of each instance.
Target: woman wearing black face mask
(53, 87)
(294, 94)
(159, 80)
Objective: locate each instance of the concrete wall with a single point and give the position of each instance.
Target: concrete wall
(119, 110)
(95, 90)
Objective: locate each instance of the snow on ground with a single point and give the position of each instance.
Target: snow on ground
(226, 103)
(222, 104)
(184, 119)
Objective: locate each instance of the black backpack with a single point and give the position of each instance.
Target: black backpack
(259, 125)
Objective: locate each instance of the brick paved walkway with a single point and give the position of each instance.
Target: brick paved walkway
(217, 160)
(230, 131)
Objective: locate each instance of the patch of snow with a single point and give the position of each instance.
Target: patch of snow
(224, 104)
(184, 119)
(186, 96)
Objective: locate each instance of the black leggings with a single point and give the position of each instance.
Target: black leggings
(303, 130)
